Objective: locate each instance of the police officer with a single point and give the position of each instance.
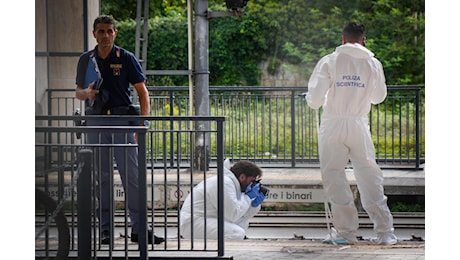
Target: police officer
(112, 96)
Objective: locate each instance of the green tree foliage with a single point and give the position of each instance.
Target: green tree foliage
(234, 51)
(286, 33)
(169, 35)
(127, 9)
(397, 36)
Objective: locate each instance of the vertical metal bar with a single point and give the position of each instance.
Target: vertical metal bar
(61, 181)
(178, 186)
(48, 159)
(165, 174)
(151, 158)
(191, 158)
(385, 132)
(262, 120)
(407, 100)
(246, 131)
(73, 200)
(84, 204)
(393, 150)
(95, 193)
(165, 180)
(171, 127)
(126, 195)
(220, 185)
(205, 208)
(277, 136)
(111, 199)
(270, 123)
(400, 159)
(293, 155)
(284, 129)
(256, 127)
(142, 168)
(417, 129)
(377, 128)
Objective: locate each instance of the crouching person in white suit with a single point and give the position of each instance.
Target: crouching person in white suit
(242, 201)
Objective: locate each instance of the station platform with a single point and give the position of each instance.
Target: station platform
(310, 246)
(396, 182)
(293, 186)
(287, 185)
(297, 186)
(300, 185)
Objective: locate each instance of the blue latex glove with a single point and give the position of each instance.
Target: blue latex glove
(251, 191)
(258, 200)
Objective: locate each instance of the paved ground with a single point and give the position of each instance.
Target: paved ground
(287, 249)
(308, 249)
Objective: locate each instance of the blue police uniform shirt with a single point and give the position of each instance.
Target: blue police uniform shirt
(119, 70)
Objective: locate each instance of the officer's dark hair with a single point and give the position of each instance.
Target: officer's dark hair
(104, 19)
(354, 31)
(247, 168)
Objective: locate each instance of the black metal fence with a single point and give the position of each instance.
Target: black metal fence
(67, 168)
(274, 127)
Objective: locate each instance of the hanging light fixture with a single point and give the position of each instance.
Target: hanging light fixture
(236, 4)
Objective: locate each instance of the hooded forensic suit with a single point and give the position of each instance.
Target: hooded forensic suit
(237, 209)
(346, 83)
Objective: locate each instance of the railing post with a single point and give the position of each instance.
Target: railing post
(220, 185)
(293, 155)
(171, 127)
(84, 204)
(417, 129)
(142, 171)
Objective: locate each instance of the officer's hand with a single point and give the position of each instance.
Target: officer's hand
(258, 200)
(91, 92)
(252, 191)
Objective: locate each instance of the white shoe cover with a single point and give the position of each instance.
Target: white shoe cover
(385, 239)
(340, 239)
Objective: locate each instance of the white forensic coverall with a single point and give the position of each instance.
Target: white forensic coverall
(237, 209)
(345, 83)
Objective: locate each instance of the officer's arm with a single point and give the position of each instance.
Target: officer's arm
(144, 98)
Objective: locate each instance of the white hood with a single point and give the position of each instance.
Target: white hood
(232, 176)
(354, 49)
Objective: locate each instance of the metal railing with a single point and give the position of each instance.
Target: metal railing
(162, 184)
(274, 127)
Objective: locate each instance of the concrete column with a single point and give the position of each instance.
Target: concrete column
(63, 30)
(201, 74)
